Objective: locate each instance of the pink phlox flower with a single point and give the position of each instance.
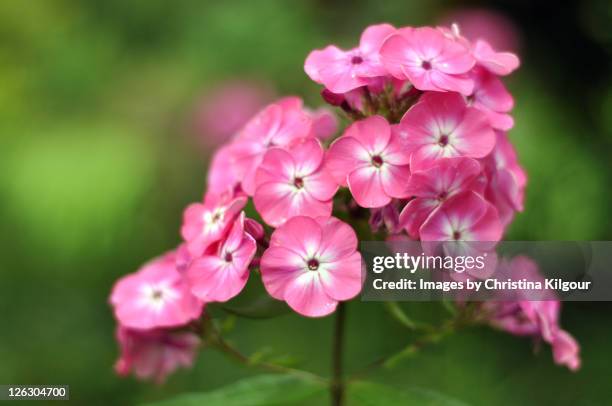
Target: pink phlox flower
(278, 125)
(491, 96)
(433, 186)
(155, 354)
(464, 217)
(371, 159)
(206, 223)
(429, 60)
(312, 264)
(506, 179)
(220, 276)
(293, 182)
(441, 125)
(342, 71)
(155, 296)
(535, 318)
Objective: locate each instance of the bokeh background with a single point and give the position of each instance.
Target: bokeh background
(106, 132)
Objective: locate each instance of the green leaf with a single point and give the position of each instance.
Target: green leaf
(374, 394)
(257, 391)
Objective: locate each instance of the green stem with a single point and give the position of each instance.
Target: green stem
(337, 383)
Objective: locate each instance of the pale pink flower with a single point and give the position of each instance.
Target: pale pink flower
(566, 350)
(429, 60)
(535, 318)
(371, 159)
(464, 217)
(220, 276)
(433, 186)
(155, 296)
(341, 71)
(155, 354)
(278, 125)
(441, 125)
(506, 179)
(206, 223)
(292, 182)
(491, 96)
(312, 264)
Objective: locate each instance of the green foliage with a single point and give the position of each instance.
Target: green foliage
(262, 390)
(374, 394)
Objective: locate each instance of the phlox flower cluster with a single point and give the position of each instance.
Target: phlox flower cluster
(426, 156)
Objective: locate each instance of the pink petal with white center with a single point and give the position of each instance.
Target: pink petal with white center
(213, 280)
(277, 166)
(453, 83)
(394, 179)
(155, 296)
(307, 155)
(466, 217)
(301, 234)
(345, 155)
(306, 295)
(366, 187)
(321, 185)
(279, 266)
(339, 239)
(500, 63)
(395, 152)
(474, 136)
(373, 133)
(342, 280)
(277, 202)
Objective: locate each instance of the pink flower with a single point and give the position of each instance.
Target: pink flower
(499, 63)
(293, 182)
(276, 126)
(535, 318)
(324, 123)
(429, 60)
(221, 276)
(441, 125)
(433, 186)
(312, 264)
(465, 217)
(206, 223)
(223, 178)
(372, 161)
(506, 179)
(155, 296)
(341, 71)
(155, 354)
(566, 350)
(491, 97)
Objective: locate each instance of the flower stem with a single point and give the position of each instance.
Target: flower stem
(337, 382)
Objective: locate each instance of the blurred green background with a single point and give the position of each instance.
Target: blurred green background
(98, 157)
